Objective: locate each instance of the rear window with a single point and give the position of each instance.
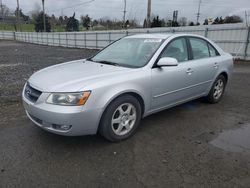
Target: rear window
(213, 52)
(199, 48)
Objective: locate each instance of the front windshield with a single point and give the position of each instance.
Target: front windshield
(129, 52)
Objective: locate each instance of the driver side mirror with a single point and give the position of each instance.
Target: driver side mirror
(167, 61)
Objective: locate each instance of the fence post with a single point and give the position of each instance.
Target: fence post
(66, 39)
(206, 32)
(75, 38)
(96, 38)
(85, 40)
(59, 38)
(53, 39)
(109, 37)
(14, 35)
(247, 43)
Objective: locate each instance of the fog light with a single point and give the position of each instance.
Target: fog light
(61, 127)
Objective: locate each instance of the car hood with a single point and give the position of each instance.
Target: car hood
(73, 76)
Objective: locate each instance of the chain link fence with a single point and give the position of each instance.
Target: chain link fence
(233, 38)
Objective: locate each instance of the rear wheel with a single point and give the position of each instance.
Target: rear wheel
(121, 118)
(217, 90)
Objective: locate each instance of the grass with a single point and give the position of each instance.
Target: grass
(31, 28)
(26, 27)
(10, 27)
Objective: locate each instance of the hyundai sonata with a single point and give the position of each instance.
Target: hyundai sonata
(130, 79)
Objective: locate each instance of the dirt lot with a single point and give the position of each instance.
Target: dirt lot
(192, 145)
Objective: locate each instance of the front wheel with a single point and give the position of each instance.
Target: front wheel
(217, 90)
(121, 118)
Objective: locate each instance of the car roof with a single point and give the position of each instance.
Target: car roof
(160, 35)
(151, 35)
(165, 36)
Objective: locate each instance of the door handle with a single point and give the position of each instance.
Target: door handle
(216, 65)
(189, 71)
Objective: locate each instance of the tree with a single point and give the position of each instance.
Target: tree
(156, 22)
(221, 20)
(183, 21)
(5, 11)
(65, 20)
(205, 22)
(216, 21)
(233, 19)
(60, 20)
(175, 24)
(53, 21)
(145, 23)
(39, 23)
(127, 24)
(22, 15)
(191, 24)
(169, 23)
(95, 23)
(72, 24)
(133, 23)
(85, 20)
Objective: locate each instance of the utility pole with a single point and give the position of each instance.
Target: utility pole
(124, 13)
(44, 24)
(18, 15)
(246, 18)
(2, 11)
(198, 13)
(148, 13)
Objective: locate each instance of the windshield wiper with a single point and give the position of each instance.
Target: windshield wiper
(108, 63)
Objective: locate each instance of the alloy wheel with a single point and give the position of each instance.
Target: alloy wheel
(123, 119)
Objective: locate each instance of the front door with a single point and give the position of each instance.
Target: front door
(173, 84)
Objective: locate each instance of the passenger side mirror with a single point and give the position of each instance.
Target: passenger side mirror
(167, 61)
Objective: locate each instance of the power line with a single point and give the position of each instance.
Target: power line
(79, 4)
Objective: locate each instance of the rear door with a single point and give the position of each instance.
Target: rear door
(205, 64)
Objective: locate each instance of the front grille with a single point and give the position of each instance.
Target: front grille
(31, 93)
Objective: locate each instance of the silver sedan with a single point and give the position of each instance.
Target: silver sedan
(130, 79)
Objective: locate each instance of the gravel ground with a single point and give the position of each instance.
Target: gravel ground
(192, 145)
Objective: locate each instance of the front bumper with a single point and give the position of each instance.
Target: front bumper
(48, 117)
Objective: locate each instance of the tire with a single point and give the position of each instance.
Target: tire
(217, 90)
(121, 118)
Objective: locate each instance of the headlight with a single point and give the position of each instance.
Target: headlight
(69, 99)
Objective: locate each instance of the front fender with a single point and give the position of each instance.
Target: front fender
(102, 96)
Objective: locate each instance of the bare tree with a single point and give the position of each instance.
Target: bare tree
(86, 20)
(35, 12)
(183, 21)
(5, 11)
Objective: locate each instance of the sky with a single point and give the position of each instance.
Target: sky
(137, 9)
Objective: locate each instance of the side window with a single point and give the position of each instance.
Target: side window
(212, 51)
(176, 49)
(199, 48)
